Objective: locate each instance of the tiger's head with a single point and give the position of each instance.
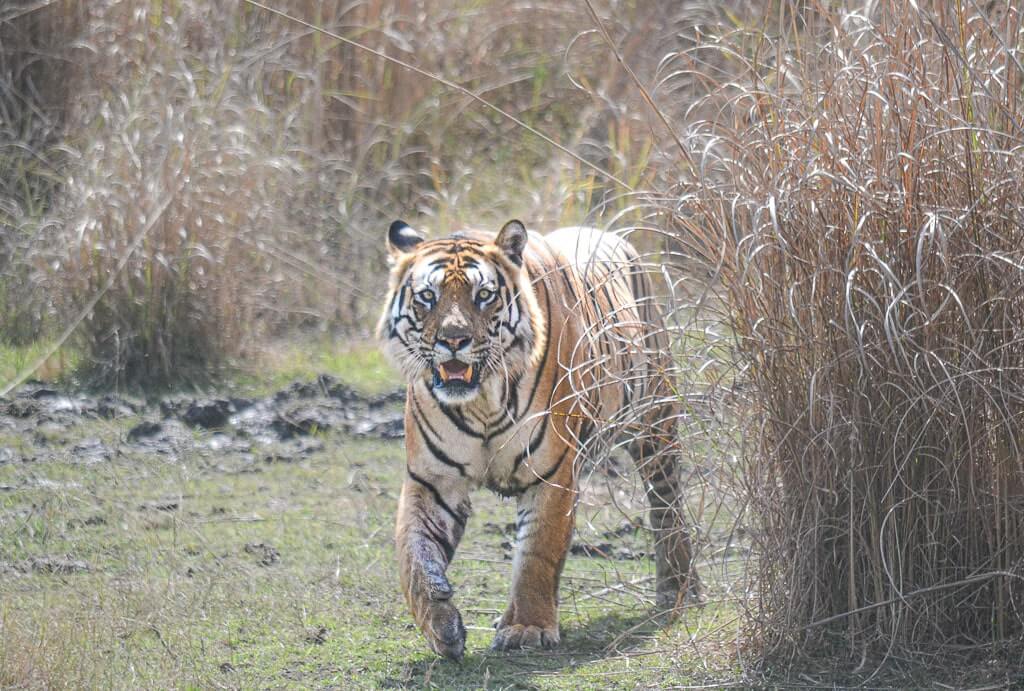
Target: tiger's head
(460, 314)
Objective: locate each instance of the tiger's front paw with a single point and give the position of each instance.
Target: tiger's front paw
(442, 625)
(515, 636)
(439, 619)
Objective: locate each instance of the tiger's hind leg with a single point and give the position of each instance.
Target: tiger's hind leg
(655, 454)
(544, 524)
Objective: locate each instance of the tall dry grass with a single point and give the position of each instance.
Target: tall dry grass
(32, 116)
(279, 154)
(864, 202)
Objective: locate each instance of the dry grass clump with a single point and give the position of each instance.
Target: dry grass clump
(872, 207)
(201, 161)
(174, 145)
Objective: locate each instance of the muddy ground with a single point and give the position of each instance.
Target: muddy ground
(284, 426)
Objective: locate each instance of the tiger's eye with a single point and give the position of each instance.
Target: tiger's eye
(426, 295)
(484, 295)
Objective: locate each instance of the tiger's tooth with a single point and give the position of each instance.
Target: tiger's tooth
(469, 373)
(443, 372)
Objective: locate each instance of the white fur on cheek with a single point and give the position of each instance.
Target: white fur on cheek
(400, 346)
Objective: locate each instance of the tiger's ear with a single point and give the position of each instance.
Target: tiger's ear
(402, 238)
(511, 240)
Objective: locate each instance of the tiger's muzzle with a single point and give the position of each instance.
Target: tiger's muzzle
(456, 376)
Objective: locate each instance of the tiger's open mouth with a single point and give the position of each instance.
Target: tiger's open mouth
(456, 376)
(455, 370)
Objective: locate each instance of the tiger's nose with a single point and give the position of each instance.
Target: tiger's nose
(455, 332)
(455, 343)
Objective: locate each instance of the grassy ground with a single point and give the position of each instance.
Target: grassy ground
(15, 359)
(217, 570)
(356, 361)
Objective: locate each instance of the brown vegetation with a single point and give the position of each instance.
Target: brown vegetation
(274, 155)
(870, 206)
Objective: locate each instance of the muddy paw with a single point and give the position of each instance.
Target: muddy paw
(515, 636)
(444, 630)
(430, 595)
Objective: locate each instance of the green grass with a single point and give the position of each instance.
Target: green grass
(357, 362)
(15, 359)
(173, 599)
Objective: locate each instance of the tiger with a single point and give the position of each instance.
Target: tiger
(519, 350)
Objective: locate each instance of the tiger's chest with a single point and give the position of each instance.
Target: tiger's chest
(506, 451)
(515, 460)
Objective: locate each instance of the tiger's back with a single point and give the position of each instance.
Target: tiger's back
(620, 356)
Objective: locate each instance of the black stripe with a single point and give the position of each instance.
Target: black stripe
(612, 312)
(568, 282)
(457, 421)
(438, 453)
(394, 299)
(510, 297)
(454, 244)
(554, 469)
(418, 415)
(509, 400)
(540, 370)
(469, 416)
(534, 444)
(437, 497)
(440, 540)
(512, 402)
(399, 296)
(523, 517)
(394, 327)
(441, 528)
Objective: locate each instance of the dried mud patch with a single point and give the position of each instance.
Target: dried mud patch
(40, 423)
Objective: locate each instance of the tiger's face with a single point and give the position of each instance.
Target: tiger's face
(460, 313)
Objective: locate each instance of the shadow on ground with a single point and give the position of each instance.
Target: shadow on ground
(601, 638)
